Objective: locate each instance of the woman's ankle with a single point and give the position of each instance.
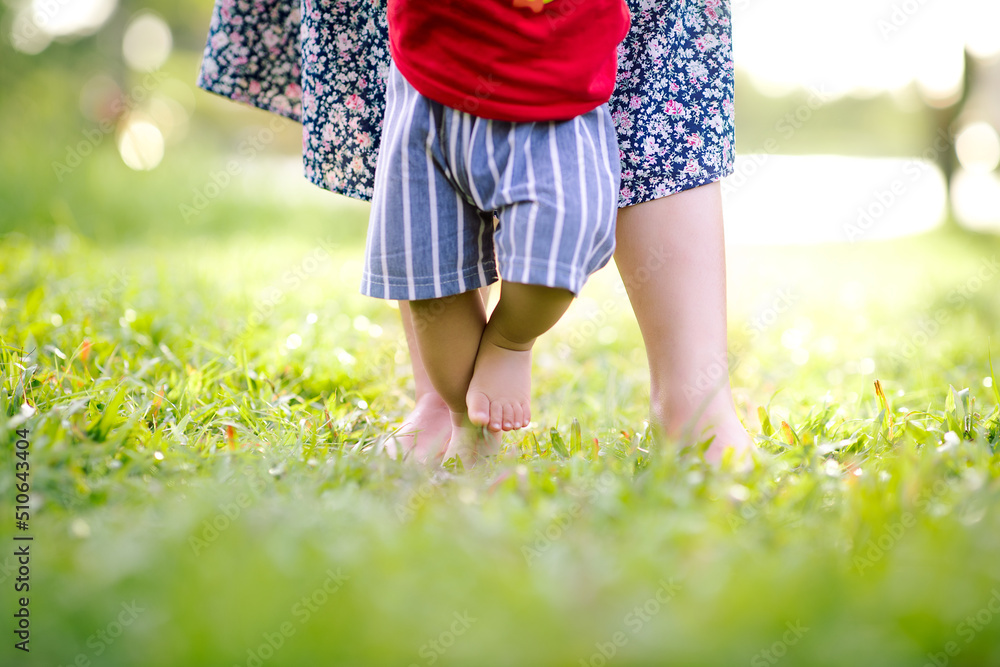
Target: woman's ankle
(688, 418)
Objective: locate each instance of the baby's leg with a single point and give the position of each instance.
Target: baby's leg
(447, 333)
(424, 432)
(500, 391)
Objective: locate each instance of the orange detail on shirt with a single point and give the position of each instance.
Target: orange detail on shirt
(536, 5)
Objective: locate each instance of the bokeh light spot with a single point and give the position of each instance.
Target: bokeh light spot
(27, 36)
(140, 144)
(147, 42)
(976, 198)
(978, 147)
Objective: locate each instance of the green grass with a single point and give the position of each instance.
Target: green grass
(189, 463)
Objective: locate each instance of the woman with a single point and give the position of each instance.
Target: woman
(324, 63)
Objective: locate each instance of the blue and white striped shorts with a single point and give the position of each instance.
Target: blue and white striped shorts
(442, 174)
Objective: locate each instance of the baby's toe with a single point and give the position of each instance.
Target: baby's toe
(509, 423)
(478, 404)
(518, 416)
(496, 416)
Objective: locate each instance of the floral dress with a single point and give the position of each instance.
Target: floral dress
(324, 63)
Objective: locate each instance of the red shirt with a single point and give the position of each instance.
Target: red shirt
(494, 59)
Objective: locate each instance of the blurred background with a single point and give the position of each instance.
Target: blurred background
(159, 243)
(860, 127)
(865, 120)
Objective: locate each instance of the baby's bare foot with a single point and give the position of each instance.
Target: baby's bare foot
(424, 433)
(499, 395)
(472, 444)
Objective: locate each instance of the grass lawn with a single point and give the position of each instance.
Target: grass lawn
(203, 415)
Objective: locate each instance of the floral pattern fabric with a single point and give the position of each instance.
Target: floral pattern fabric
(324, 63)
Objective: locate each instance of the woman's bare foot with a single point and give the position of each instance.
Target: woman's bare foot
(716, 421)
(424, 434)
(499, 395)
(729, 434)
(470, 443)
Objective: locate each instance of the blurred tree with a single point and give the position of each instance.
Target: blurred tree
(979, 101)
(946, 128)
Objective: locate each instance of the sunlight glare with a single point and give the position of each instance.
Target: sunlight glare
(788, 199)
(983, 37)
(80, 17)
(891, 44)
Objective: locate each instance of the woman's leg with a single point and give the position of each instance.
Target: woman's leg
(671, 256)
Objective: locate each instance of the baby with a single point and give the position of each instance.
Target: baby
(498, 158)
